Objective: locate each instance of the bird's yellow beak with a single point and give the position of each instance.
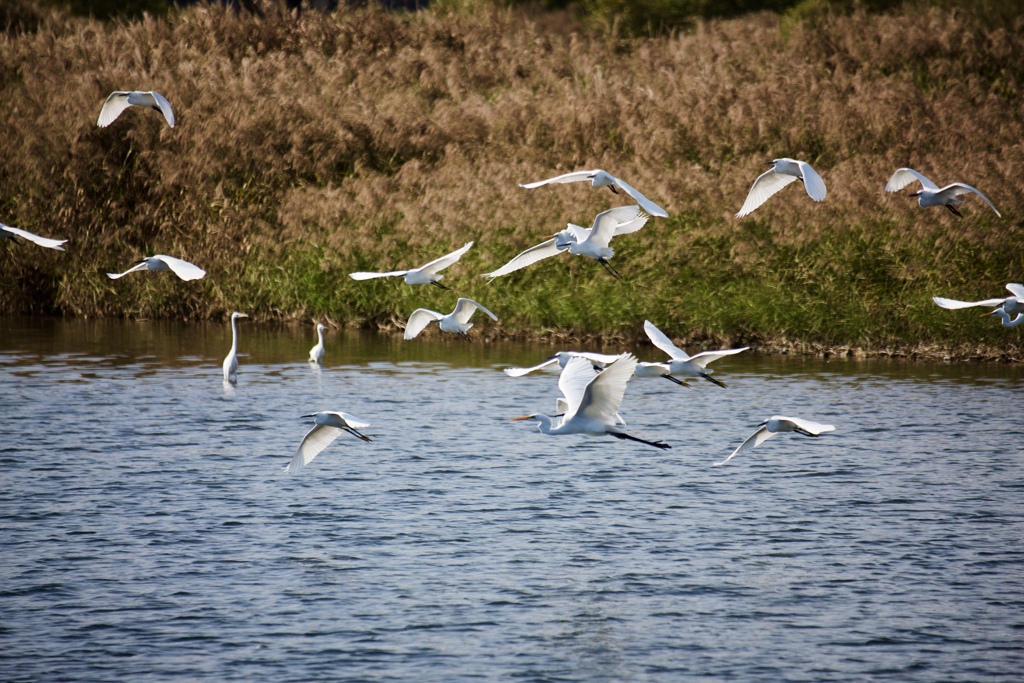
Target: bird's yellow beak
(524, 417)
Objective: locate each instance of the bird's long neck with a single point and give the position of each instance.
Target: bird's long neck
(234, 335)
(320, 336)
(545, 423)
(1019, 320)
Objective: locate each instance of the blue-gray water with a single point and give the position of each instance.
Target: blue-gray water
(149, 534)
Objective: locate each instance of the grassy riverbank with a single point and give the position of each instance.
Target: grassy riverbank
(311, 146)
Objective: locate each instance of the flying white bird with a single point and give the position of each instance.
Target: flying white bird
(931, 194)
(592, 242)
(562, 357)
(12, 234)
(1013, 305)
(231, 360)
(776, 424)
(119, 100)
(456, 321)
(782, 173)
(183, 269)
(316, 354)
(660, 370)
(600, 178)
(683, 363)
(329, 426)
(1005, 317)
(593, 400)
(424, 275)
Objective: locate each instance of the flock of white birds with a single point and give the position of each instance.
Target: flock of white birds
(593, 385)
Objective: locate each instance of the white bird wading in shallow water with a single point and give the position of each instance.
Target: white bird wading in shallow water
(316, 354)
(590, 242)
(183, 269)
(593, 400)
(681, 363)
(931, 194)
(231, 361)
(7, 232)
(329, 426)
(456, 321)
(562, 357)
(1011, 305)
(599, 178)
(782, 173)
(774, 425)
(119, 100)
(424, 275)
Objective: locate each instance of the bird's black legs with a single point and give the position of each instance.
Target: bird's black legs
(954, 210)
(356, 434)
(713, 380)
(438, 284)
(611, 269)
(612, 188)
(680, 382)
(627, 437)
(804, 432)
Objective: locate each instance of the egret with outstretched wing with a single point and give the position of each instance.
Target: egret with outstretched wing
(457, 321)
(782, 172)
(424, 275)
(329, 426)
(119, 100)
(682, 363)
(774, 425)
(599, 178)
(931, 194)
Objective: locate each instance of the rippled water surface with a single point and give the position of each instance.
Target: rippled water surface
(149, 534)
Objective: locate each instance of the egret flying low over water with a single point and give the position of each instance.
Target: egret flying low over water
(456, 321)
(593, 400)
(599, 178)
(316, 354)
(1013, 305)
(562, 358)
(329, 426)
(682, 363)
(7, 232)
(773, 426)
(661, 370)
(782, 173)
(183, 269)
(592, 242)
(119, 100)
(931, 194)
(424, 275)
(231, 360)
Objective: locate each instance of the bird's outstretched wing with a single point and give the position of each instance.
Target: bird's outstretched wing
(183, 269)
(419, 319)
(465, 308)
(36, 239)
(116, 103)
(813, 183)
(519, 372)
(604, 393)
(607, 224)
(316, 440)
(573, 381)
(141, 265)
(349, 419)
(445, 261)
(754, 440)
(904, 176)
(370, 276)
(767, 184)
(704, 357)
(646, 204)
(660, 340)
(163, 106)
(1016, 289)
(953, 304)
(598, 358)
(957, 189)
(526, 258)
(573, 177)
(814, 428)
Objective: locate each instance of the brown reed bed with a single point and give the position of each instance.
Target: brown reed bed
(311, 145)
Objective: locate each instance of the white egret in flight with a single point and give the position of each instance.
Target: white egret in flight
(682, 363)
(591, 242)
(7, 232)
(1005, 317)
(593, 400)
(1013, 305)
(424, 275)
(782, 173)
(660, 370)
(562, 357)
(774, 425)
(231, 361)
(329, 426)
(456, 321)
(183, 269)
(119, 100)
(601, 178)
(316, 354)
(931, 194)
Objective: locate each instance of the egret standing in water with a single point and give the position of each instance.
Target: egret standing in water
(183, 269)
(782, 173)
(682, 363)
(457, 321)
(599, 178)
(316, 354)
(329, 426)
(931, 194)
(7, 232)
(119, 100)
(593, 400)
(231, 361)
(424, 275)
(776, 424)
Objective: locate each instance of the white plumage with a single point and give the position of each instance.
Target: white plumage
(682, 363)
(931, 194)
(782, 172)
(774, 425)
(119, 100)
(329, 426)
(424, 275)
(599, 178)
(183, 269)
(8, 232)
(316, 354)
(457, 321)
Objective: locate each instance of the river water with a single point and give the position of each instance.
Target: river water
(149, 533)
